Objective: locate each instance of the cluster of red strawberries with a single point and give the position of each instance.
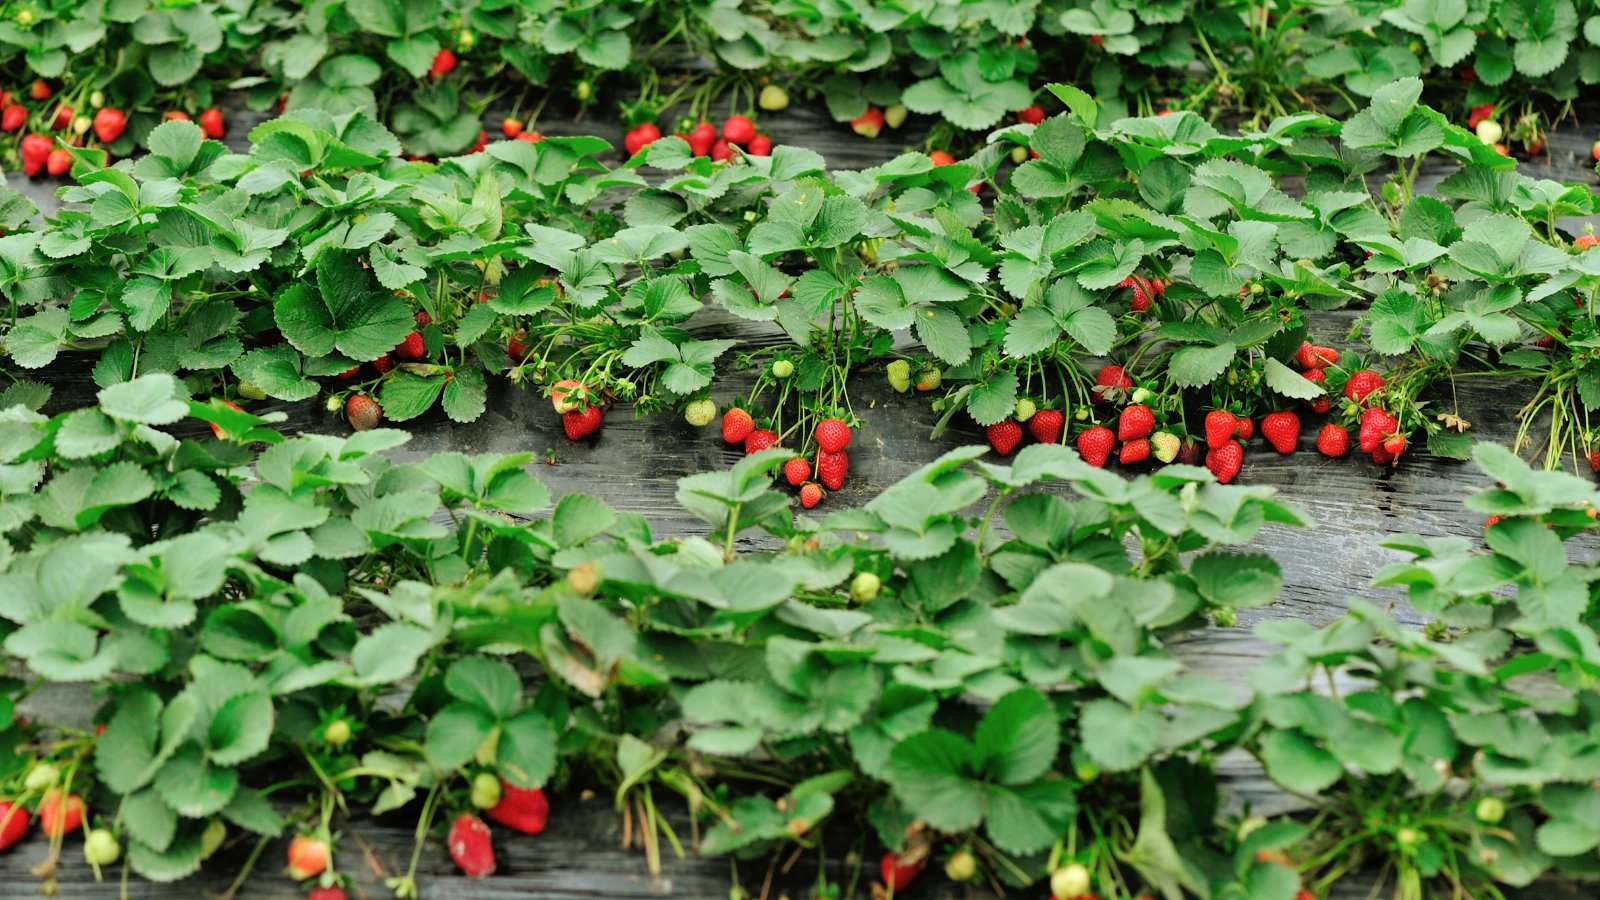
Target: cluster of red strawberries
(361, 410)
(829, 467)
(704, 139)
(1135, 435)
(40, 152)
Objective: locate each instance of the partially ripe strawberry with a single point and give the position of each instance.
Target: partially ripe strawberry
(897, 874)
(1004, 436)
(40, 89)
(469, 846)
(832, 469)
(308, 857)
(211, 123)
(362, 412)
(941, 158)
(1031, 115)
(1333, 440)
(1164, 445)
(810, 494)
(797, 471)
(773, 98)
(738, 130)
(1095, 444)
(1594, 151)
(869, 124)
(568, 395)
(443, 63)
(1586, 240)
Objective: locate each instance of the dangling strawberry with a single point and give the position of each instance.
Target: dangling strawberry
(469, 846)
(1362, 383)
(832, 435)
(1031, 115)
(1046, 425)
(35, 153)
(521, 809)
(1094, 445)
(736, 425)
(760, 145)
(1004, 436)
(797, 471)
(1220, 427)
(443, 63)
(1111, 380)
(511, 127)
(1333, 440)
(1225, 461)
(832, 469)
(580, 423)
(109, 124)
(738, 130)
(758, 441)
(58, 163)
(12, 117)
(211, 123)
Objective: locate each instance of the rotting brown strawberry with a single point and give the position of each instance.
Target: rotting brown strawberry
(1004, 436)
(1220, 427)
(1225, 461)
(759, 440)
(810, 494)
(1134, 451)
(521, 809)
(832, 468)
(736, 425)
(470, 848)
(362, 412)
(1135, 422)
(580, 423)
(1282, 431)
(797, 471)
(1095, 444)
(1046, 425)
(1333, 440)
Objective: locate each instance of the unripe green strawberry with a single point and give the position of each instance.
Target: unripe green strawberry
(773, 98)
(41, 776)
(100, 848)
(211, 839)
(250, 391)
(865, 587)
(1164, 445)
(899, 373)
(700, 413)
(895, 115)
(1024, 410)
(337, 733)
(782, 369)
(1491, 810)
(485, 790)
(961, 866)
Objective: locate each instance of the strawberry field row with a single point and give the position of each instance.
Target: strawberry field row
(427, 68)
(973, 670)
(1139, 289)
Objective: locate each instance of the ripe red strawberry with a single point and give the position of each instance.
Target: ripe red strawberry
(328, 893)
(1594, 151)
(1225, 461)
(760, 145)
(701, 137)
(350, 373)
(1004, 436)
(1145, 291)
(797, 471)
(869, 124)
(1394, 444)
(832, 468)
(1134, 451)
(832, 435)
(443, 63)
(362, 412)
(810, 494)
(35, 154)
(1479, 113)
(174, 115)
(109, 124)
(1046, 425)
(1594, 460)
(1244, 428)
(1585, 241)
(942, 158)
(13, 117)
(308, 857)
(1282, 431)
(897, 873)
(531, 137)
(40, 89)
(211, 123)
(738, 130)
(1111, 380)
(641, 137)
(59, 814)
(1333, 440)
(1312, 356)
(1376, 425)
(383, 364)
(469, 846)
(511, 126)
(62, 119)
(1136, 421)
(1220, 426)
(1382, 457)
(1031, 115)
(736, 425)
(758, 441)
(521, 809)
(1094, 445)
(580, 423)
(13, 823)
(412, 347)
(1321, 404)
(480, 143)
(721, 151)
(58, 163)
(1315, 376)
(1362, 383)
